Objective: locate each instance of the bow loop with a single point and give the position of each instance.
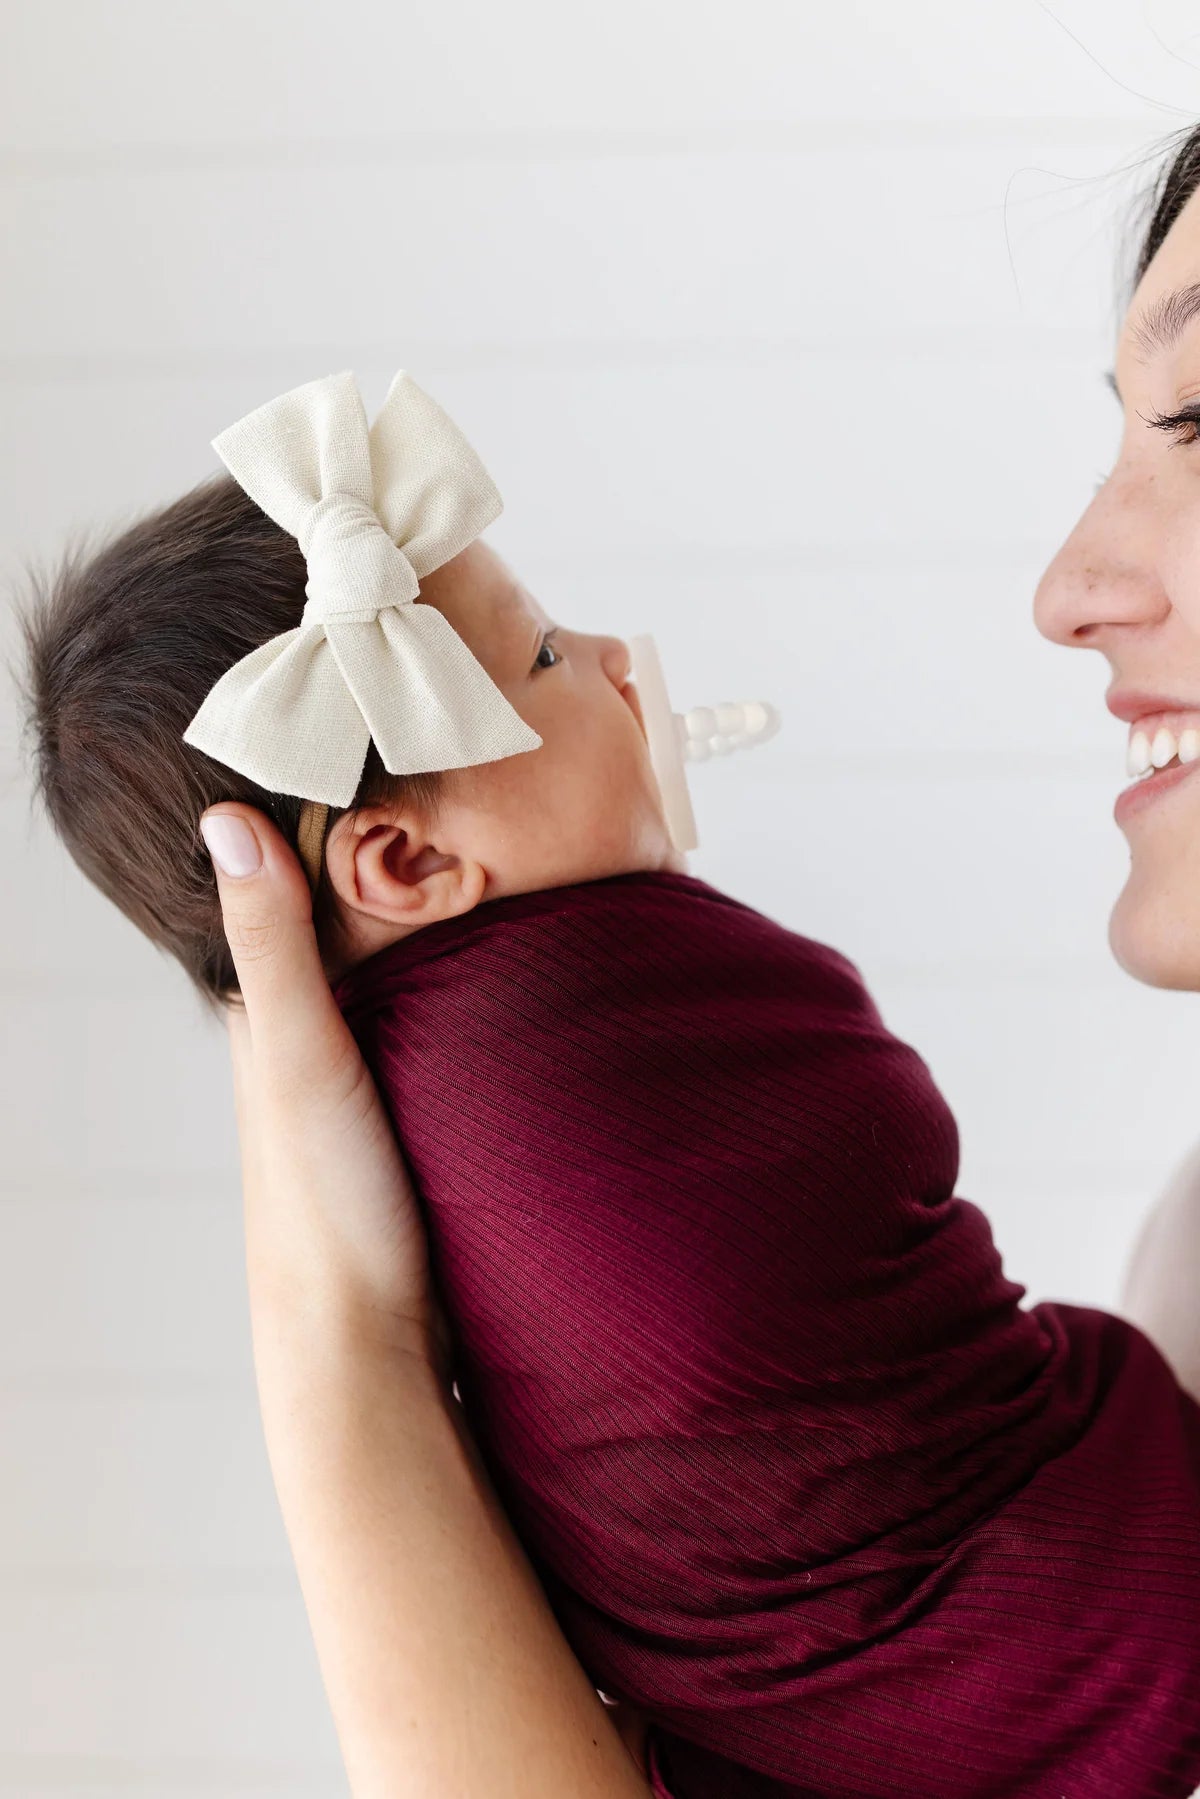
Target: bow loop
(374, 512)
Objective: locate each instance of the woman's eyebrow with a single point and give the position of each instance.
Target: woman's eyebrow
(1165, 319)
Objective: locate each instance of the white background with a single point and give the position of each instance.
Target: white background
(782, 329)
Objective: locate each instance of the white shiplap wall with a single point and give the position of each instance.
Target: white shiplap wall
(781, 328)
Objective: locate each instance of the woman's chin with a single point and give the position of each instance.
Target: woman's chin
(1154, 932)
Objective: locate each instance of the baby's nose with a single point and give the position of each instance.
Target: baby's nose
(615, 660)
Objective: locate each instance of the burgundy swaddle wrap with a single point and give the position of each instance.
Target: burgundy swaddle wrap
(799, 1475)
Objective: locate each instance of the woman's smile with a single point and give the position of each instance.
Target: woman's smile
(1148, 788)
(1163, 749)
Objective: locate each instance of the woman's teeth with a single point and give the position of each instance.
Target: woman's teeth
(1147, 755)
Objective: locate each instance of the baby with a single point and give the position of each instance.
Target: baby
(803, 1480)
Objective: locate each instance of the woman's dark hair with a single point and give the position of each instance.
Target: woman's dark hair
(1165, 199)
(122, 643)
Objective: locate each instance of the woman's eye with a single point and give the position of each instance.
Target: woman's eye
(1187, 421)
(547, 650)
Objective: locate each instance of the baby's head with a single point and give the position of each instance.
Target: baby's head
(124, 643)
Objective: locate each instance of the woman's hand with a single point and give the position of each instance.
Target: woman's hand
(332, 1223)
(445, 1668)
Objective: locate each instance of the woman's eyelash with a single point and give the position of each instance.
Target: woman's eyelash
(1187, 418)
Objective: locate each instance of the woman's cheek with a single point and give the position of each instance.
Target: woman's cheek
(1181, 569)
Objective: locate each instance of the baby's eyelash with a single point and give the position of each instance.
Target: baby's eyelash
(547, 643)
(1186, 418)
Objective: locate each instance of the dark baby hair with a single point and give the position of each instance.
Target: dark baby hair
(122, 643)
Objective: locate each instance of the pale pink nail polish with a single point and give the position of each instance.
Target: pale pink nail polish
(231, 844)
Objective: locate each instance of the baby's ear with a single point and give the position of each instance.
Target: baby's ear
(389, 871)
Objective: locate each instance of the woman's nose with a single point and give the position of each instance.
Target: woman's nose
(1065, 603)
(1099, 578)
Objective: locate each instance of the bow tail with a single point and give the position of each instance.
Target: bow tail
(428, 703)
(283, 716)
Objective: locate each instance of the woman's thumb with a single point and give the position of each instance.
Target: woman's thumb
(267, 911)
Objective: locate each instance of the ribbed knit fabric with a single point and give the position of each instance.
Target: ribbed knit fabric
(802, 1478)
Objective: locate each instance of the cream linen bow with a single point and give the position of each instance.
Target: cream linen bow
(374, 512)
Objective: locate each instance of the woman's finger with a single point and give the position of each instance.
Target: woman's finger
(297, 1033)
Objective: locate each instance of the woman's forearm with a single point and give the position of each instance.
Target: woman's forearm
(446, 1671)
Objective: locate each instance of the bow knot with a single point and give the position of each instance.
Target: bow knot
(374, 513)
(354, 568)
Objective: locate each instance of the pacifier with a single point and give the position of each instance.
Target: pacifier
(677, 738)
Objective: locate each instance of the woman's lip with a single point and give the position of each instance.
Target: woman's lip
(1146, 791)
(1129, 706)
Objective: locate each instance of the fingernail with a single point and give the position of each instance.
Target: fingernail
(231, 844)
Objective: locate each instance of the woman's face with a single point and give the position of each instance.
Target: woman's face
(1127, 583)
(587, 803)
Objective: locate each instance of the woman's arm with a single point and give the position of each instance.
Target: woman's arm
(446, 1671)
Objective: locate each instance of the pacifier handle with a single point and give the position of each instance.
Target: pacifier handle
(674, 739)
